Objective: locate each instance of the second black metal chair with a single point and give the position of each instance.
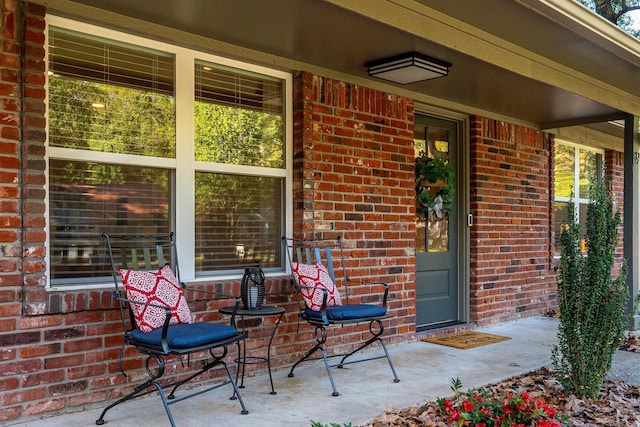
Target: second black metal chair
(318, 265)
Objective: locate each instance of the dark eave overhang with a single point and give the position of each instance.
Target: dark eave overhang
(544, 63)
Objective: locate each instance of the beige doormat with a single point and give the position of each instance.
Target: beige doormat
(465, 340)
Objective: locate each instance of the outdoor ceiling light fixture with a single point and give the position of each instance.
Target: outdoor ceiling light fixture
(408, 68)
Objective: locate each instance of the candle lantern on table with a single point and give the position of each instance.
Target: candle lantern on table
(252, 288)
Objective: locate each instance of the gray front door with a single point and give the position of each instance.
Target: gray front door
(436, 222)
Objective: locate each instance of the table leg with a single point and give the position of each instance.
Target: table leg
(244, 353)
(275, 328)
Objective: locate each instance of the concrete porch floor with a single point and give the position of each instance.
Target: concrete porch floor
(366, 389)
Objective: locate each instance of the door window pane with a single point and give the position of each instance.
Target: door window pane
(434, 191)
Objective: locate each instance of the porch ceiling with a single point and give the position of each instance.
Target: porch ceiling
(528, 60)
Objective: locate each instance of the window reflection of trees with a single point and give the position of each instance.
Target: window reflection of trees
(104, 107)
(575, 169)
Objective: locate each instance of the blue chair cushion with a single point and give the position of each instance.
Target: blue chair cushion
(186, 335)
(349, 312)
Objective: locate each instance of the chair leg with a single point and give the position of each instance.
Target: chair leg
(235, 388)
(140, 390)
(395, 376)
(216, 360)
(326, 363)
(376, 336)
(320, 340)
(165, 403)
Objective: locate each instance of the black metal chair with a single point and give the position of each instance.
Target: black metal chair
(317, 265)
(156, 320)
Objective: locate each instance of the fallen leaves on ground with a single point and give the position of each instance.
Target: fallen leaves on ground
(618, 405)
(631, 343)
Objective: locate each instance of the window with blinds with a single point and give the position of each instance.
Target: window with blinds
(85, 201)
(238, 222)
(114, 164)
(238, 117)
(575, 170)
(111, 97)
(105, 96)
(238, 120)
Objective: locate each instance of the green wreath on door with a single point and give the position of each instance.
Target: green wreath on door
(435, 181)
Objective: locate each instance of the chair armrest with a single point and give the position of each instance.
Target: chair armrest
(167, 318)
(232, 320)
(385, 294)
(325, 297)
(133, 302)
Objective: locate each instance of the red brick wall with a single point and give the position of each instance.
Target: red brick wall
(22, 165)
(21, 205)
(511, 269)
(614, 179)
(354, 176)
(10, 178)
(10, 220)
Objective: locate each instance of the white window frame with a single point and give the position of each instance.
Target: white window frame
(576, 172)
(184, 164)
(576, 179)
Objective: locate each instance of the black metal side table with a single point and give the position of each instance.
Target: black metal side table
(243, 359)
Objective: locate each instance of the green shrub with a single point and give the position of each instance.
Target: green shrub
(592, 302)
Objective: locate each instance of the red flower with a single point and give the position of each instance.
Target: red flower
(468, 406)
(478, 409)
(448, 405)
(549, 423)
(549, 411)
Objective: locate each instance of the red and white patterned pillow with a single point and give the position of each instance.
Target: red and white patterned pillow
(155, 287)
(316, 276)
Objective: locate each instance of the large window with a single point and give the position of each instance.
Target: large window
(146, 138)
(575, 169)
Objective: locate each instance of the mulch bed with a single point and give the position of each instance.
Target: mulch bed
(631, 343)
(618, 405)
